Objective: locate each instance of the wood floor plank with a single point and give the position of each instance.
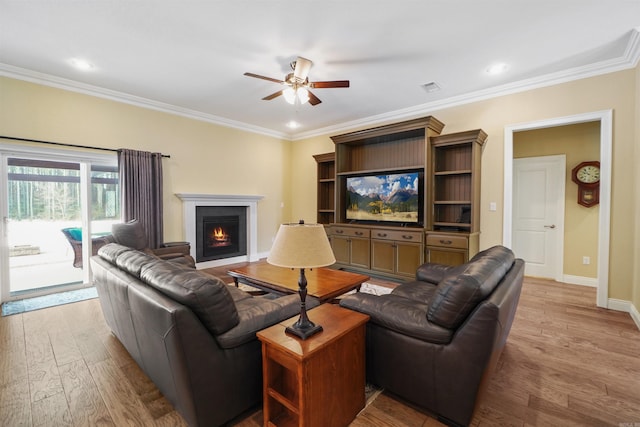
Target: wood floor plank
(12, 332)
(65, 349)
(121, 399)
(44, 378)
(52, 411)
(85, 401)
(13, 365)
(15, 404)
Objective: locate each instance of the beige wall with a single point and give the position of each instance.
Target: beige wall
(579, 143)
(636, 197)
(616, 91)
(205, 158)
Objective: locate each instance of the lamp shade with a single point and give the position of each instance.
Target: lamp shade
(301, 246)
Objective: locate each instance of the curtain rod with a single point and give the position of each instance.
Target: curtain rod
(67, 145)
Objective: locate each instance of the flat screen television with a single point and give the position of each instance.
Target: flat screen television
(396, 198)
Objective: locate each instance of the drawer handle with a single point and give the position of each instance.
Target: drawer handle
(446, 242)
(406, 236)
(339, 231)
(382, 234)
(359, 233)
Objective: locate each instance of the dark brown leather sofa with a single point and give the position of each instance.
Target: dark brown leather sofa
(192, 334)
(435, 341)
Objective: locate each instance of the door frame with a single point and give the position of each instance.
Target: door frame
(605, 117)
(85, 159)
(560, 162)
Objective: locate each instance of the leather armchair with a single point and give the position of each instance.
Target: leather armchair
(131, 234)
(435, 341)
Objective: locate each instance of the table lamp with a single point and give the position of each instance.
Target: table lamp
(301, 246)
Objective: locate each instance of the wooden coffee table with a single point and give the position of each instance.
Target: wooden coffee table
(322, 283)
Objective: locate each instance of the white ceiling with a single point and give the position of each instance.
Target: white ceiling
(188, 56)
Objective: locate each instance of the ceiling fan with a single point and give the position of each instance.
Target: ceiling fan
(298, 84)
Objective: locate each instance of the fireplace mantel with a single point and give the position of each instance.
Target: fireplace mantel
(191, 200)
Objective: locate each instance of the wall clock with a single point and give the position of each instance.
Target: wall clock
(587, 176)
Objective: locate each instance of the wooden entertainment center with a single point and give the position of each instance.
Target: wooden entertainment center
(447, 232)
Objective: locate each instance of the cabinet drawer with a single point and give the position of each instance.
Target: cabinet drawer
(399, 235)
(446, 240)
(350, 231)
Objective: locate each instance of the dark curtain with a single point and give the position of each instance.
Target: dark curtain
(141, 187)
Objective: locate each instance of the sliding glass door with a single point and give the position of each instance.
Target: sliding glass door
(59, 208)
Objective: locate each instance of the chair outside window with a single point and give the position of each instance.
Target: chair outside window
(74, 236)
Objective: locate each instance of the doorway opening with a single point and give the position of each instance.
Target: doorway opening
(606, 143)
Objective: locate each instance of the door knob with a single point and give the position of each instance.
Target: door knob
(550, 226)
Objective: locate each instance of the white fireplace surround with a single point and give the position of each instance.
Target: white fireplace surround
(189, 203)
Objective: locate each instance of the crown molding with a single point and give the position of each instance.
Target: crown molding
(629, 59)
(18, 73)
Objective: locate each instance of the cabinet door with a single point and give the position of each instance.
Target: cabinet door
(447, 257)
(383, 255)
(341, 249)
(409, 256)
(360, 253)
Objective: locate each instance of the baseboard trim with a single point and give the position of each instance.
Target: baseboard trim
(579, 280)
(625, 306)
(635, 315)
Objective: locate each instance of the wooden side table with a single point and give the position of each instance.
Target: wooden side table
(319, 381)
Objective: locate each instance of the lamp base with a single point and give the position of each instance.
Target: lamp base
(303, 330)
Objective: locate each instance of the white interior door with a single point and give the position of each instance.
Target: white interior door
(538, 214)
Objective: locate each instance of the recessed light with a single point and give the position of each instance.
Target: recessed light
(498, 68)
(293, 124)
(81, 64)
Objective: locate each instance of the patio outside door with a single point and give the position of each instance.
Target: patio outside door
(42, 196)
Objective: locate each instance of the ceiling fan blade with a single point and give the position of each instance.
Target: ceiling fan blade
(273, 95)
(258, 76)
(314, 100)
(330, 84)
(301, 70)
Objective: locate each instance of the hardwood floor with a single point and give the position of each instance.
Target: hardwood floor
(566, 363)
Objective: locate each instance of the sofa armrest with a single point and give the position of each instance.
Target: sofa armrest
(257, 313)
(178, 250)
(402, 315)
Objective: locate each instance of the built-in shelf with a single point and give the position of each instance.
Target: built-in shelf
(451, 167)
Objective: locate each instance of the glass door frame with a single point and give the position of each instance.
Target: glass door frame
(85, 160)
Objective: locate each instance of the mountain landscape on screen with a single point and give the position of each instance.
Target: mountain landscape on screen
(391, 197)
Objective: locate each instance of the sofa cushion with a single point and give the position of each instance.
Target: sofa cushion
(130, 234)
(457, 295)
(397, 313)
(206, 295)
(112, 251)
(419, 291)
(134, 261)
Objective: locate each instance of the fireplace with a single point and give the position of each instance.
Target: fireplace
(221, 232)
(247, 206)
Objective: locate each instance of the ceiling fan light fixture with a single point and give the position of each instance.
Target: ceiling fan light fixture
(303, 95)
(289, 95)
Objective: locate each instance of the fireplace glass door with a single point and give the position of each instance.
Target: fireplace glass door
(221, 232)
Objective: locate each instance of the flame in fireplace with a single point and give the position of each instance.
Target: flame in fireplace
(219, 234)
